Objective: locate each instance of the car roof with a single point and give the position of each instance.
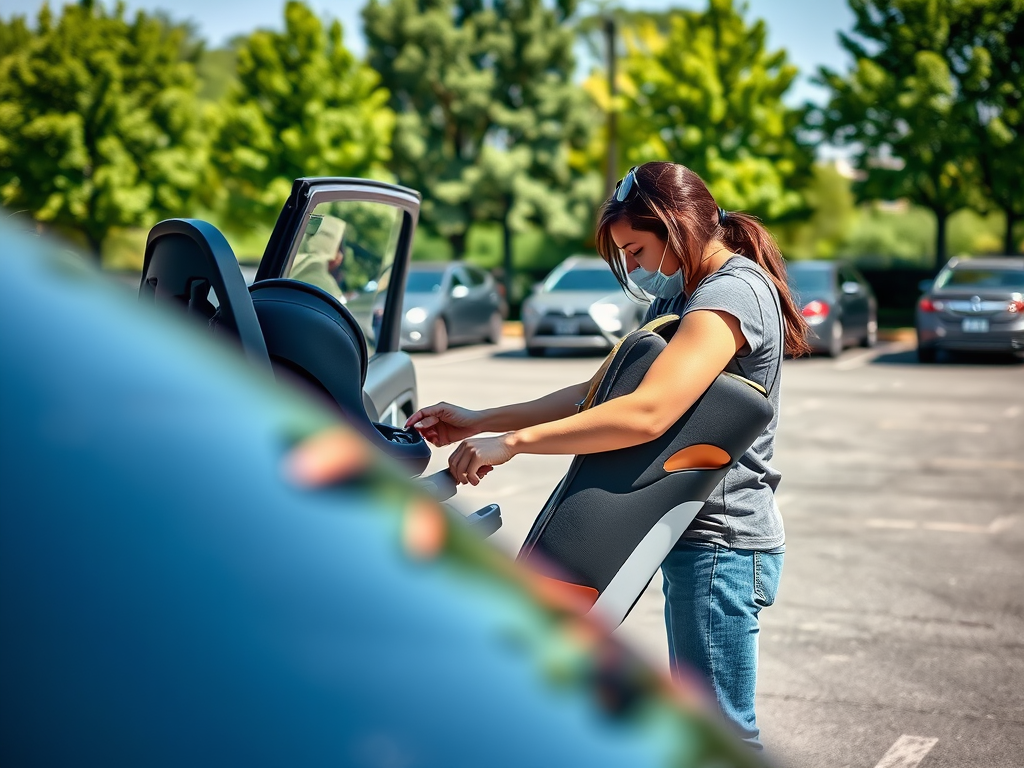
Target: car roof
(585, 262)
(431, 266)
(987, 262)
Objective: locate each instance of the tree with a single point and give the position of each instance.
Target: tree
(302, 106)
(488, 114)
(992, 34)
(99, 122)
(902, 107)
(700, 88)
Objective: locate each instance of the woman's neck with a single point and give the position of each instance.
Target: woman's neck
(715, 255)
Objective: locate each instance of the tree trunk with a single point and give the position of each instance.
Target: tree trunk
(458, 243)
(506, 261)
(1009, 244)
(941, 218)
(95, 242)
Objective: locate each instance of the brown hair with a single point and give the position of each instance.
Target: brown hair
(673, 202)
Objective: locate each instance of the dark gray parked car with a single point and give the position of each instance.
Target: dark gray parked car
(447, 303)
(837, 303)
(974, 305)
(580, 305)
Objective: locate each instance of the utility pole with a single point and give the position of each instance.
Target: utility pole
(612, 174)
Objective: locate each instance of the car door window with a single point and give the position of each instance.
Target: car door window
(476, 277)
(348, 249)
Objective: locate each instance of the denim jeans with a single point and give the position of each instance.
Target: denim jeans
(712, 599)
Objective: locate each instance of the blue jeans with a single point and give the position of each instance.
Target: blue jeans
(712, 598)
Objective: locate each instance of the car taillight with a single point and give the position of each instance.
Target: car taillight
(926, 305)
(815, 312)
(1016, 306)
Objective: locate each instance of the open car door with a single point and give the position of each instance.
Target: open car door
(352, 239)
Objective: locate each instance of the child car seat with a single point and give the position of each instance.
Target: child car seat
(311, 335)
(615, 515)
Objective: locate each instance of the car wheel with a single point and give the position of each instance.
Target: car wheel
(871, 338)
(835, 344)
(926, 354)
(494, 329)
(534, 351)
(439, 338)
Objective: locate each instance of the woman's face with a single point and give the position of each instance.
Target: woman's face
(642, 248)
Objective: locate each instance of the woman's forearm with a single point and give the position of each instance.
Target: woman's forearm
(620, 423)
(557, 405)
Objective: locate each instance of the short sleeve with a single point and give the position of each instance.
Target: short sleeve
(733, 293)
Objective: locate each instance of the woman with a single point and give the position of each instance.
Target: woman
(723, 273)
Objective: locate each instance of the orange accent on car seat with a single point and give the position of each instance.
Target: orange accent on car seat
(701, 456)
(565, 593)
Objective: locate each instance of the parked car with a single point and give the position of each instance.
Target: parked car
(973, 305)
(580, 305)
(447, 303)
(837, 303)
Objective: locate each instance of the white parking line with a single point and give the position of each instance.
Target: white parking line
(1012, 412)
(861, 359)
(907, 752)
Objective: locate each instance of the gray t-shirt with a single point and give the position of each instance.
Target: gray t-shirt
(741, 512)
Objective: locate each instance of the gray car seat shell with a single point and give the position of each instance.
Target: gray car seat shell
(615, 515)
(311, 335)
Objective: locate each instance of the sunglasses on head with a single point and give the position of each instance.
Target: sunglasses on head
(624, 185)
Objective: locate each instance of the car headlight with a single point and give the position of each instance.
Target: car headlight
(607, 317)
(416, 315)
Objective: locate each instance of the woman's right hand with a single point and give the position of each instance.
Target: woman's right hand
(444, 423)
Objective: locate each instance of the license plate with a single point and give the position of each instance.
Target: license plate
(566, 327)
(974, 325)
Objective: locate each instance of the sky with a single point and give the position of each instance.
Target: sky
(807, 29)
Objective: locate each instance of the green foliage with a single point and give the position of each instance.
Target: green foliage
(992, 32)
(922, 101)
(699, 88)
(216, 71)
(99, 122)
(829, 196)
(487, 112)
(302, 106)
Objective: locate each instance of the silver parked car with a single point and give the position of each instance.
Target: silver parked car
(447, 302)
(580, 305)
(837, 303)
(974, 305)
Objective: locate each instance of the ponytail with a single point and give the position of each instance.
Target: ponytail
(746, 235)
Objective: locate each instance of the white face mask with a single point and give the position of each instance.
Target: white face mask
(657, 283)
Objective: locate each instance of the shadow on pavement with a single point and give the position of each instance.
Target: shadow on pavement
(553, 354)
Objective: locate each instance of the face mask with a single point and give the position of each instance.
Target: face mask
(658, 284)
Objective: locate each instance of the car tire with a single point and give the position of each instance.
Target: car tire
(439, 337)
(835, 343)
(871, 337)
(534, 351)
(926, 354)
(494, 327)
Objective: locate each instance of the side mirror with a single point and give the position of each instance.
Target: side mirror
(460, 292)
(851, 287)
(925, 285)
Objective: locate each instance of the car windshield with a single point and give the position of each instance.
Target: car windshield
(423, 282)
(582, 280)
(809, 282)
(982, 278)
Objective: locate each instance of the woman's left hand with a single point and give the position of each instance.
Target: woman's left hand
(478, 456)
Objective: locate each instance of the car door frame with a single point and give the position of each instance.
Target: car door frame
(306, 195)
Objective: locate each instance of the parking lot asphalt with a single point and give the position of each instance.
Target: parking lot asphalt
(898, 635)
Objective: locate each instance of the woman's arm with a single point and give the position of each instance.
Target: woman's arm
(557, 405)
(700, 349)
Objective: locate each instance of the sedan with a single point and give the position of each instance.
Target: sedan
(837, 303)
(974, 305)
(449, 302)
(580, 305)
